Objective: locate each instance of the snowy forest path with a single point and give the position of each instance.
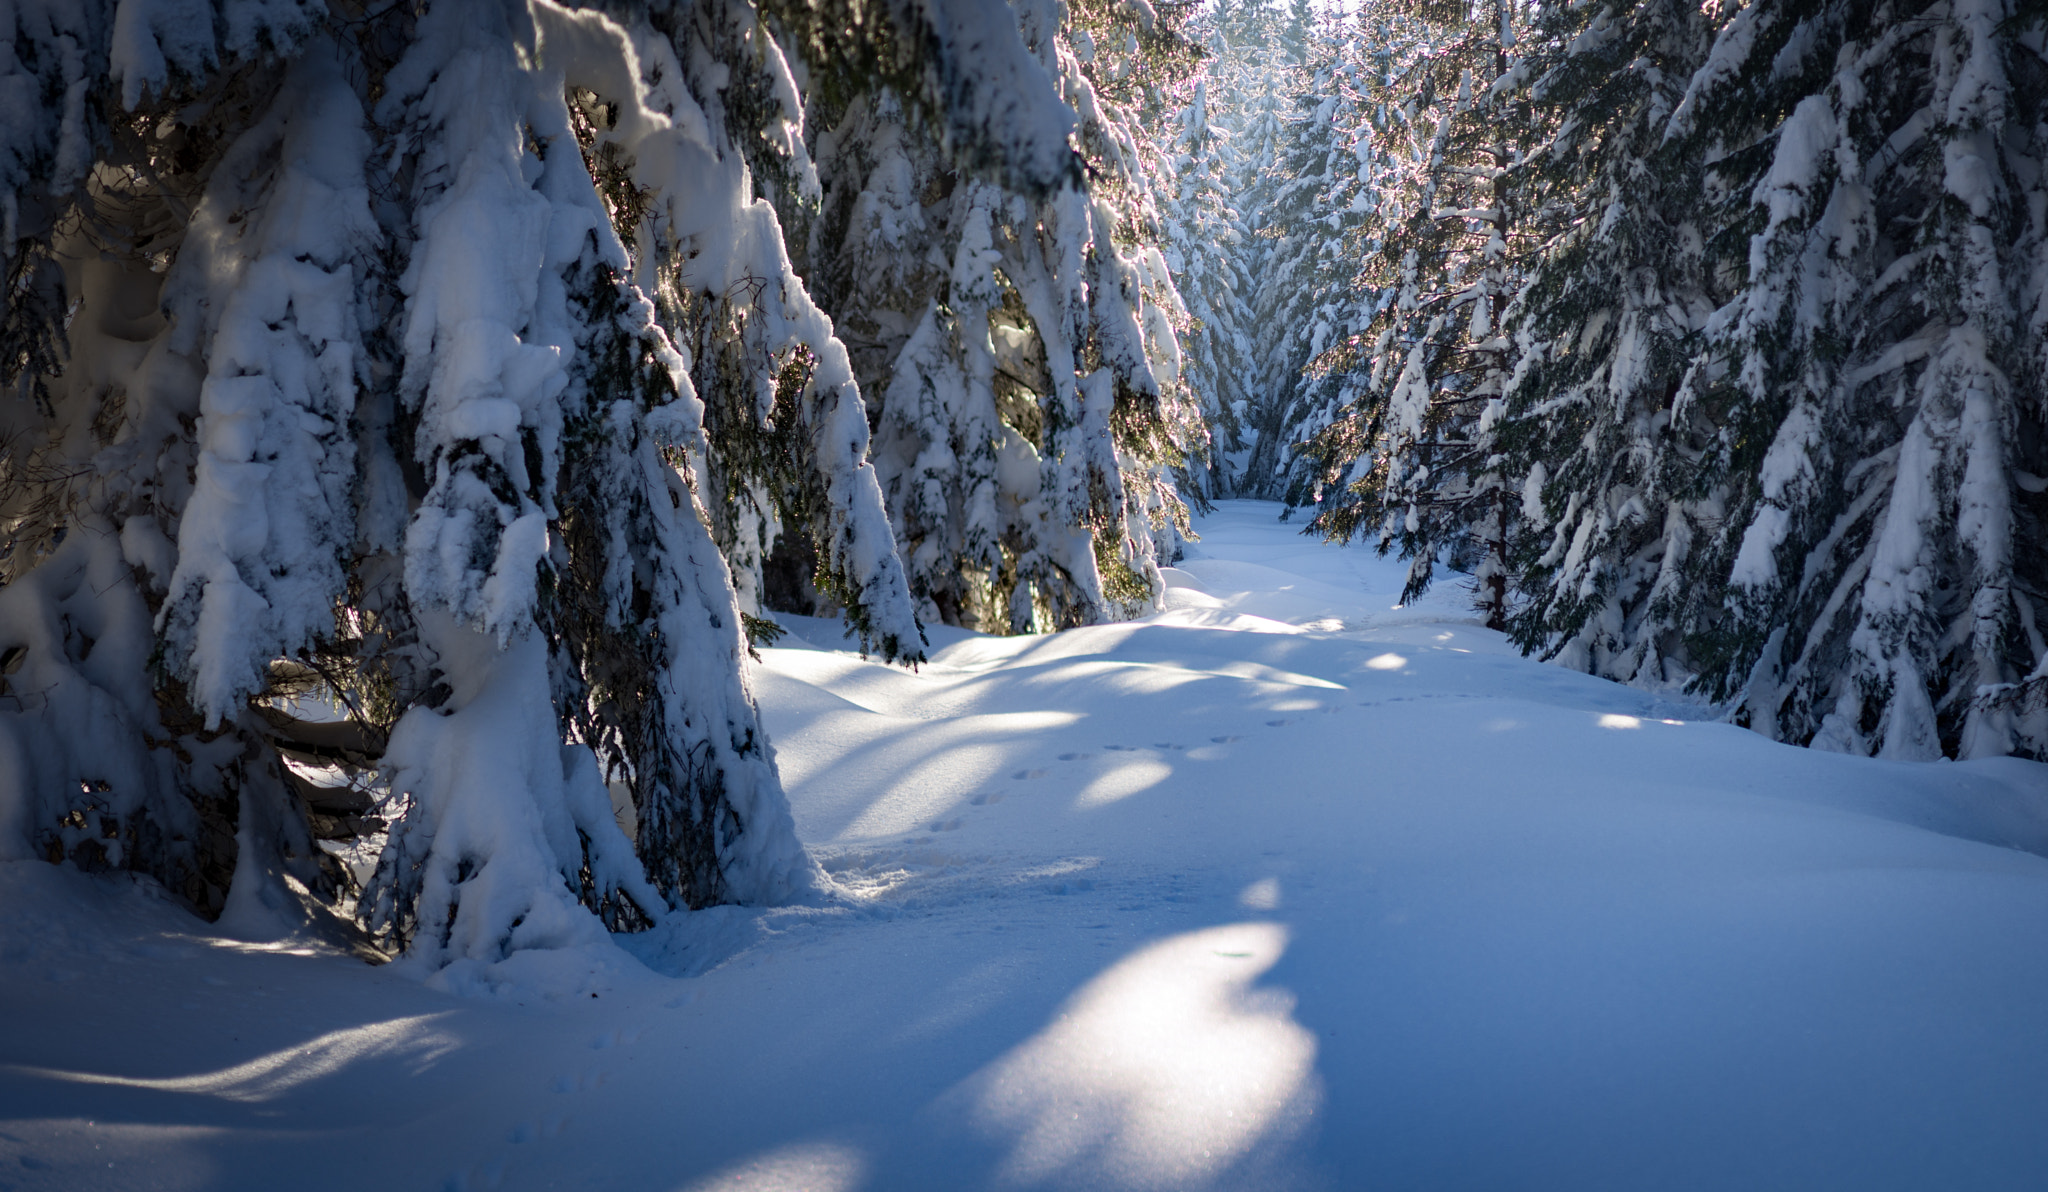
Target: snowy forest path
(1284, 887)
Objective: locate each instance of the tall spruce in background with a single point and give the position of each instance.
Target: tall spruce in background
(1319, 193)
(1451, 247)
(1253, 80)
(1203, 247)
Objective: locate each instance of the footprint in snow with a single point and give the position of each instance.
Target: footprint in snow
(1074, 757)
(1225, 740)
(1023, 774)
(529, 1131)
(951, 825)
(985, 798)
(1122, 748)
(1166, 745)
(1278, 723)
(580, 1084)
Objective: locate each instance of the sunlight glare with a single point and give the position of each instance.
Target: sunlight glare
(269, 1076)
(814, 1167)
(1615, 720)
(1124, 781)
(1160, 1072)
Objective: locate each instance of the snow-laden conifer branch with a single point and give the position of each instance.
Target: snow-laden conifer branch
(415, 360)
(1021, 341)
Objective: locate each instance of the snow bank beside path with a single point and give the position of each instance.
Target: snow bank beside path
(1284, 888)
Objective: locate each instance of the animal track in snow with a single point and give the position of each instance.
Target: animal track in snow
(1167, 745)
(594, 1078)
(1278, 723)
(1023, 774)
(483, 1175)
(986, 797)
(1122, 748)
(1226, 740)
(1074, 757)
(951, 825)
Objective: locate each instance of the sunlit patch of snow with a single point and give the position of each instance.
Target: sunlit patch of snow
(1261, 895)
(1160, 1072)
(268, 1076)
(1386, 662)
(1127, 779)
(814, 1167)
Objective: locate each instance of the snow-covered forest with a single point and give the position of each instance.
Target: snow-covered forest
(1708, 339)
(1023, 593)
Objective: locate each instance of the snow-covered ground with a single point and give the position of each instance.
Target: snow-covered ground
(1284, 888)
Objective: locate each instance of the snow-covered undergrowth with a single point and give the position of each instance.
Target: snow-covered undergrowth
(1282, 888)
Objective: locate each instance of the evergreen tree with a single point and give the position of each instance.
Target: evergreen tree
(1756, 324)
(1323, 222)
(1020, 348)
(1877, 379)
(412, 361)
(1264, 88)
(1415, 460)
(1204, 250)
(1608, 459)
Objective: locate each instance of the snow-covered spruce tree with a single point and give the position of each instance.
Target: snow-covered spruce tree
(1878, 381)
(1595, 434)
(1020, 347)
(354, 350)
(1256, 85)
(1290, 239)
(1319, 221)
(112, 752)
(1222, 166)
(1204, 249)
(1414, 460)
